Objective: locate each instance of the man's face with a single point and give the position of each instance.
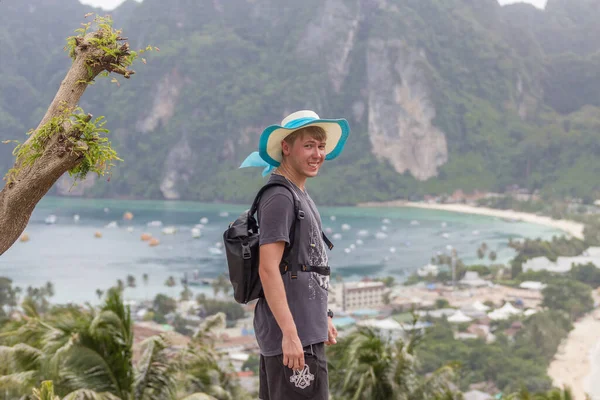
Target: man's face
(305, 156)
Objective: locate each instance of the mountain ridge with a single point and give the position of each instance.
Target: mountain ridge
(440, 95)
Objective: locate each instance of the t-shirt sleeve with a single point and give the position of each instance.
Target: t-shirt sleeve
(275, 217)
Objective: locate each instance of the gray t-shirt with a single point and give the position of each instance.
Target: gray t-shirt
(306, 295)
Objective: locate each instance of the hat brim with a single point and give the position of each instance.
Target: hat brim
(269, 146)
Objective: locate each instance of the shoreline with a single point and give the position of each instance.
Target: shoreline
(573, 228)
(574, 363)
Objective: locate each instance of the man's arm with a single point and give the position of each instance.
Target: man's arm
(272, 283)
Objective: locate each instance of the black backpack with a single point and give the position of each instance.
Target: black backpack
(241, 241)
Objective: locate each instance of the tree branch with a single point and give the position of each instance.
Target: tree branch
(62, 151)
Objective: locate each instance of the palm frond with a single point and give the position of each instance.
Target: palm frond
(45, 392)
(109, 324)
(85, 394)
(155, 373)
(209, 325)
(22, 381)
(83, 368)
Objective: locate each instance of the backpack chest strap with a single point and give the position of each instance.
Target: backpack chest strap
(319, 269)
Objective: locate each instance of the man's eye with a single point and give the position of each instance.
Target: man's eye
(321, 147)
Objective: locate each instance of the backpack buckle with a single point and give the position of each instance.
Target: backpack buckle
(246, 253)
(300, 214)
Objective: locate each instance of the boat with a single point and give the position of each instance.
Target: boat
(51, 219)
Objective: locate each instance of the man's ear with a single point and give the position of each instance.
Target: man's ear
(285, 148)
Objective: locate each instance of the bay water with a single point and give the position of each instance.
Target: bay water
(369, 242)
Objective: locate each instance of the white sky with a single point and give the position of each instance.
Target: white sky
(111, 4)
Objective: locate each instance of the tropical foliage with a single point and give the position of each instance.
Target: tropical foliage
(366, 365)
(509, 362)
(88, 353)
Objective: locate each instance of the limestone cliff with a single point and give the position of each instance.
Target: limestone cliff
(331, 37)
(177, 169)
(400, 110)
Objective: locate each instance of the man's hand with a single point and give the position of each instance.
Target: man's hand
(293, 353)
(331, 333)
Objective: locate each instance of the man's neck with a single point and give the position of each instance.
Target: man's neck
(293, 177)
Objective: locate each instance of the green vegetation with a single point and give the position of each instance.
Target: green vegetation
(89, 353)
(570, 296)
(531, 248)
(365, 366)
(516, 107)
(509, 363)
(233, 311)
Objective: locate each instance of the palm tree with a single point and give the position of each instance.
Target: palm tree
(366, 366)
(554, 394)
(88, 354)
(170, 282)
(480, 253)
(131, 281)
(120, 285)
(216, 286)
(186, 294)
(99, 293)
(493, 256)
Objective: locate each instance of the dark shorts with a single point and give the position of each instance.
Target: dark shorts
(278, 382)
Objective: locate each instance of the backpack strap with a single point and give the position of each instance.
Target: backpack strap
(327, 241)
(289, 259)
(290, 252)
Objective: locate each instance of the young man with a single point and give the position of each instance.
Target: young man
(292, 322)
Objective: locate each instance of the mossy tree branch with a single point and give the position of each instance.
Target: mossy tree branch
(66, 140)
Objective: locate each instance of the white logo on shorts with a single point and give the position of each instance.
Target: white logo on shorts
(302, 379)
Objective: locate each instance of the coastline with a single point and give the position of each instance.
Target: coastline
(575, 363)
(573, 228)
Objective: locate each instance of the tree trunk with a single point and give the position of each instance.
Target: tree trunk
(30, 183)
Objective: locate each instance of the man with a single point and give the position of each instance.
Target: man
(292, 322)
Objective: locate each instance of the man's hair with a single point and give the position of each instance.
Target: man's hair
(316, 132)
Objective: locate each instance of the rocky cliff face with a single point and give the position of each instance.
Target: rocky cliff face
(331, 37)
(400, 110)
(177, 169)
(460, 93)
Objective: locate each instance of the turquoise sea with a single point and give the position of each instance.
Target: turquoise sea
(375, 242)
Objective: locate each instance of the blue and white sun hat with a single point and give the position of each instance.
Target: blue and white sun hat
(270, 153)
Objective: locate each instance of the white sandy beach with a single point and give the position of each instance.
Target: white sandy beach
(577, 362)
(574, 229)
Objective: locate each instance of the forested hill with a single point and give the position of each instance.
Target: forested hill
(440, 95)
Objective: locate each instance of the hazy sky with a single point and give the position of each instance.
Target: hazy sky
(110, 4)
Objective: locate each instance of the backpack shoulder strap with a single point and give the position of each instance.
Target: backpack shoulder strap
(256, 201)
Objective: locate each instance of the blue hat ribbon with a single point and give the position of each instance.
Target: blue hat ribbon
(255, 160)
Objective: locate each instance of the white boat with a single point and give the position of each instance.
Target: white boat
(196, 233)
(214, 251)
(154, 224)
(76, 218)
(169, 230)
(414, 223)
(51, 219)
(111, 225)
(346, 227)
(204, 220)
